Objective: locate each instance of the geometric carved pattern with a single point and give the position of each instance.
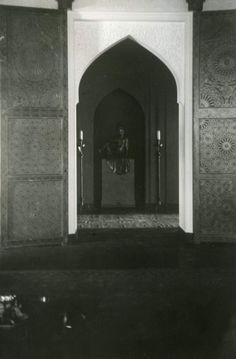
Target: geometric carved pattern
(33, 125)
(218, 206)
(217, 146)
(36, 69)
(218, 61)
(35, 146)
(35, 210)
(215, 142)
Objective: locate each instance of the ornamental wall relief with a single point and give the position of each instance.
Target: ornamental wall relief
(36, 70)
(217, 146)
(218, 206)
(218, 62)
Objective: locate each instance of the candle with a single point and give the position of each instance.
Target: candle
(81, 135)
(158, 135)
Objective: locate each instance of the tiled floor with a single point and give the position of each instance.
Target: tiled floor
(125, 295)
(128, 220)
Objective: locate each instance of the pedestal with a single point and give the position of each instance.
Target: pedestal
(117, 190)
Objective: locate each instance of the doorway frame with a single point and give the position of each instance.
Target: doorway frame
(77, 65)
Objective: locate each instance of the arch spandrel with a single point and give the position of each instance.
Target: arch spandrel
(94, 40)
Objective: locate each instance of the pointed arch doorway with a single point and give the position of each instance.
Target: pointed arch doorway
(128, 86)
(169, 37)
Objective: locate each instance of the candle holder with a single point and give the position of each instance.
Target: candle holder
(159, 147)
(81, 147)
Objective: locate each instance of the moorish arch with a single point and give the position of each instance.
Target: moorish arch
(171, 66)
(125, 85)
(169, 39)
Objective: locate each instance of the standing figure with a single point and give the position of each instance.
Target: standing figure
(116, 152)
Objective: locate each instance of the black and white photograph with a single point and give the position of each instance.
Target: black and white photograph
(117, 179)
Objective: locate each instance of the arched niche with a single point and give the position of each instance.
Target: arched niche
(169, 37)
(146, 82)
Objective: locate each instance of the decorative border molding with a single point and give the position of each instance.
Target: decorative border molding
(78, 15)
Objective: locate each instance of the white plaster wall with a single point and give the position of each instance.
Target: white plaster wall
(166, 35)
(126, 5)
(107, 5)
(130, 5)
(50, 4)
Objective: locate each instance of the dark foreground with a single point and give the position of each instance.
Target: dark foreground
(139, 296)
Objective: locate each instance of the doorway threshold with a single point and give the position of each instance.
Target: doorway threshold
(128, 221)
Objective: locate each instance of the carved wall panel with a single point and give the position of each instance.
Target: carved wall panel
(35, 146)
(218, 206)
(215, 126)
(218, 60)
(218, 146)
(35, 210)
(34, 43)
(33, 125)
